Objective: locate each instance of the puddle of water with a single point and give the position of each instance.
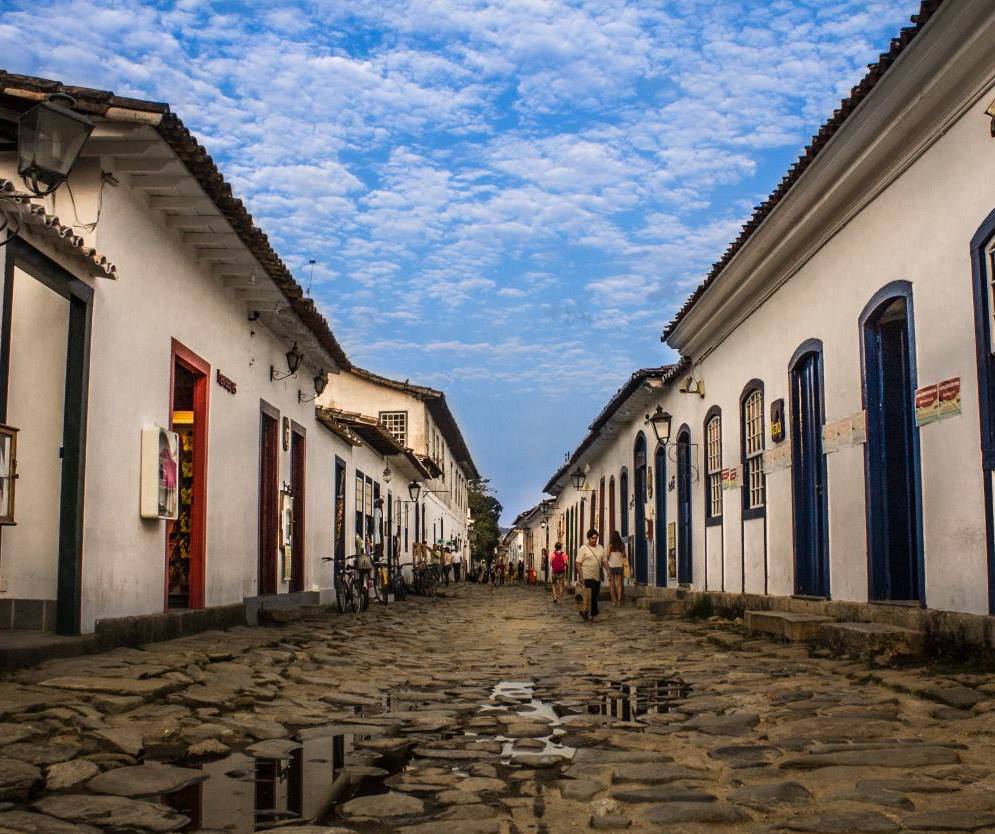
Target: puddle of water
(519, 697)
(628, 700)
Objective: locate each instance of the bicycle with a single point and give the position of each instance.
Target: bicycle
(425, 582)
(381, 582)
(351, 595)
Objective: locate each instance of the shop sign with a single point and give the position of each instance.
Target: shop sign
(160, 473)
(777, 458)
(777, 420)
(936, 402)
(226, 383)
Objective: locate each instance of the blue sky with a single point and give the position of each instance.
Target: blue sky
(507, 200)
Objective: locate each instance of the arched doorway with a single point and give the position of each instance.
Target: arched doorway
(684, 564)
(639, 496)
(894, 514)
(660, 496)
(808, 473)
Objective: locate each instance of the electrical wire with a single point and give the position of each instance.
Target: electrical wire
(79, 224)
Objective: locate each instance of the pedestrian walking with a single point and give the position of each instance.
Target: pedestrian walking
(559, 566)
(589, 565)
(521, 571)
(617, 561)
(447, 564)
(545, 567)
(457, 565)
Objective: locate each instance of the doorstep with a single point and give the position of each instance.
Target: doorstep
(19, 649)
(872, 639)
(787, 625)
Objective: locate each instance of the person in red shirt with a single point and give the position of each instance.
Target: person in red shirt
(558, 562)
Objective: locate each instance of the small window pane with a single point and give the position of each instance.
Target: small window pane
(753, 423)
(713, 453)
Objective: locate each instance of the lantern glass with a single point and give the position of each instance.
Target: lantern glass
(49, 140)
(320, 381)
(578, 479)
(294, 359)
(414, 491)
(661, 425)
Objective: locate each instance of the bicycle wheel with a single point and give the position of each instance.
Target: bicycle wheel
(379, 589)
(400, 589)
(342, 596)
(362, 596)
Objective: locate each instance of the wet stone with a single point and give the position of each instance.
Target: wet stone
(145, 780)
(610, 822)
(856, 822)
(763, 796)
(40, 754)
(701, 812)
(381, 806)
(745, 755)
(25, 822)
(17, 778)
(112, 812)
(904, 756)
(656, 774)
(949, 820)
(580, 789)
(65, 775)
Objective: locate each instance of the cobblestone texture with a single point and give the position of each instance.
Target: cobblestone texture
(491, 710)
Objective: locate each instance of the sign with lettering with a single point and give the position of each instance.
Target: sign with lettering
(777, 420)
(228, 384)
(730, 478)
(849, 431)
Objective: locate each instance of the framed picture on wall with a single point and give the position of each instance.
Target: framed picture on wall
(8, 473)
(287, 533)
(160, 473)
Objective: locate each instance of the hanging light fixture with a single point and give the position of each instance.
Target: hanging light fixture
(320, 383)
(578, 479)
(414, 491)
(660, 420)
(294, 359)
(386, 475)
(50, 137)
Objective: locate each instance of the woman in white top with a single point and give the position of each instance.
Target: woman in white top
(616, 567)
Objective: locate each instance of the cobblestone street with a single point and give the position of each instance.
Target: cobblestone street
(491, 710)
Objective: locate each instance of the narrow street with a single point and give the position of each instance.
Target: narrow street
(490, 710)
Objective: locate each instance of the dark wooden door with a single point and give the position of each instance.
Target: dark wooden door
(808, 465)
(639, 490)
(660, 531)
(269, 502)
(892, 455)
(684, 563)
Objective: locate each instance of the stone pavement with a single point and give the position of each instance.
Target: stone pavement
(491, 710)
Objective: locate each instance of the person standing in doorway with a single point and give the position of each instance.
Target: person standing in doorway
(559, 565)
(589, 565)
(616, 567)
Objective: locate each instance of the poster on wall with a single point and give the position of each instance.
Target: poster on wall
(672, 550)
(160, 473)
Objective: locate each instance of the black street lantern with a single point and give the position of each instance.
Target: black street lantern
(50, 137)
(294, 359)
(660, 420)
(414, 491)
(578, 479)
(320, 381)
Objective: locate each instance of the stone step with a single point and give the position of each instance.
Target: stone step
(872, 639)
(787, 625)
(668, 607)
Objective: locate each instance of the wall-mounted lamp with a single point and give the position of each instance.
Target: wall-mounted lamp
(386, 475)
(320, 381)
(578, 479)
(50, 137)
(294, 359)
(990, 112)
(414, 491)
(660, 420)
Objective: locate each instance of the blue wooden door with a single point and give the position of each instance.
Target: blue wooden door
(893, 511)
(639, 468)
(684, 565)
(808, 465)
(660, 495)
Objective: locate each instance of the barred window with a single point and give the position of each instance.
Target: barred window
(713, 456)
(396, 422)
(753, 436)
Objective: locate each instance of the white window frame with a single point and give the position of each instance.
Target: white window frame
(389, 419)
(713, 463)
(753, 450)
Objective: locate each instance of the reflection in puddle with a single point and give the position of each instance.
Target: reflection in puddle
(627, 700)
(243, 794)
(519, 697)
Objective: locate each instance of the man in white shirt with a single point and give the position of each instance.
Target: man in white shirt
(457, 564)
(588, 566)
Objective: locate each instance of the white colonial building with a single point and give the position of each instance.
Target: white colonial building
(831, 430)
(161, 367)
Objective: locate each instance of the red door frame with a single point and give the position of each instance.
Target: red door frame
(198, 512)
(298, 486)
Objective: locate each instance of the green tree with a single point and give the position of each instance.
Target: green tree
(485, 510)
